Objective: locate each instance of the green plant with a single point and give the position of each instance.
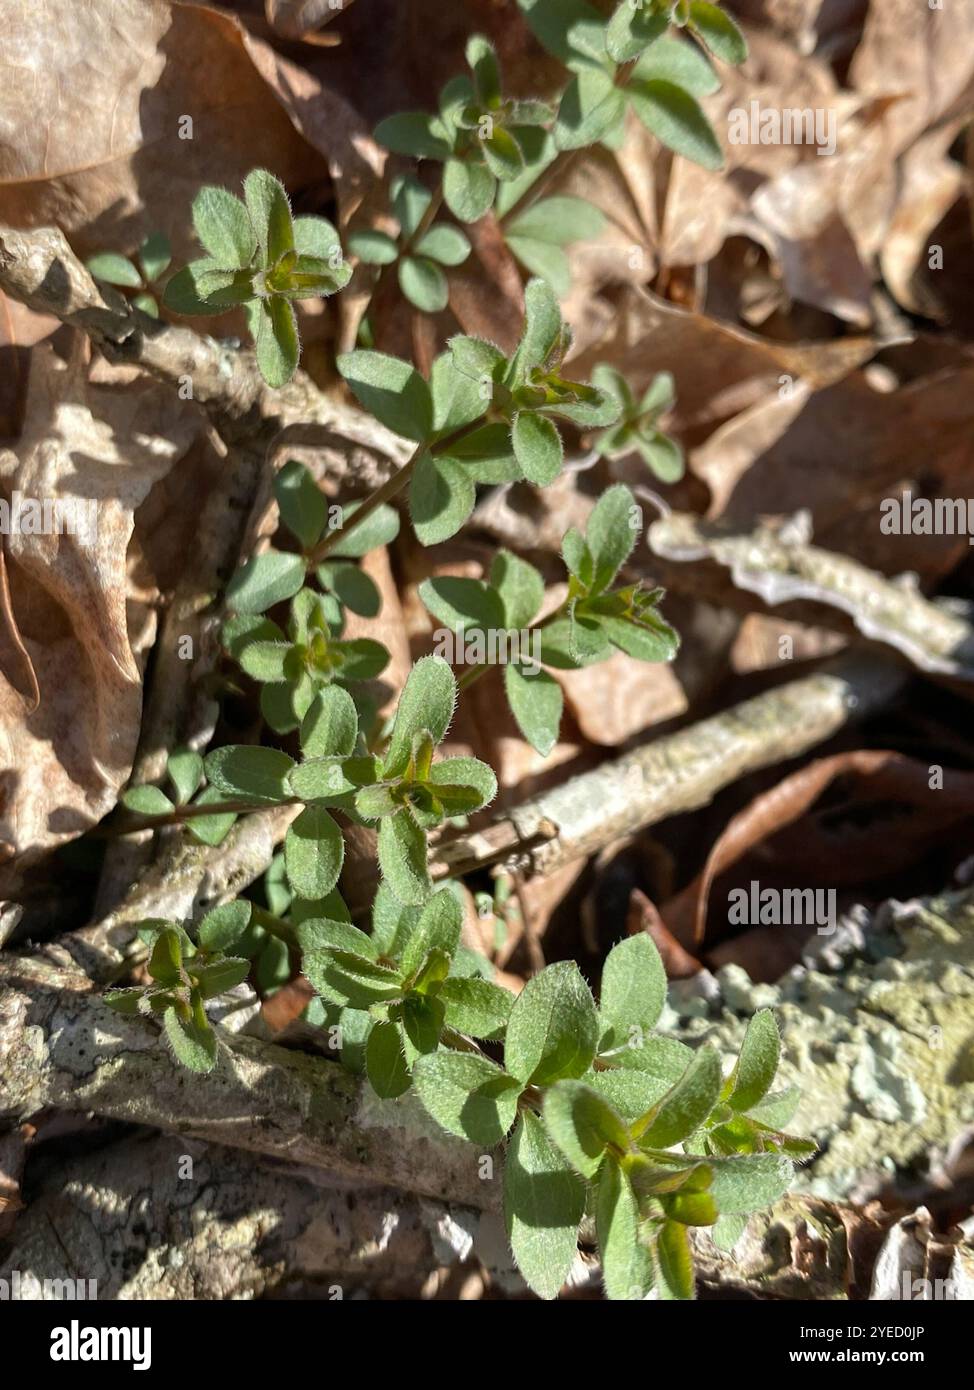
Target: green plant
(637, 427)
(609, 1127)
(141, 275)
(260, 259)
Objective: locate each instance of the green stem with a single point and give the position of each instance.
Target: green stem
(187, 813)
(389, 489)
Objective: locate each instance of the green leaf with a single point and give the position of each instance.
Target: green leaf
(441, 497)
(718, 31)
(330, 727)
(277, 344)
(413, 133)
(438, 928)
(541, 258)
(193, 1043)
(502, 153)
(165, 962)
(422, 1020)
(476, 1007)
(468, 189)
(572, 30)
(220, 976)
(476, 358)
(402, 858)
(631, 1093)
(520, 587)
(385, 1061)
(147, 801)
(374, 248)
(125, 1001)
(467, 1095)
(423, 283)
(391, 390)
(542, 330)
(313, 853)
(184, 768)
(353, 588)
(444, 244)
(650, 639)
(468, 773)
(537, 447)
(536, 702)
(684, 1109)
(777, 1110)
(155, 255)
(674, 1259)
(324, 933)
(211, 830)
(392, 922)
(147, 303)
(627, 1268)
(457, 399)
(302, 504)
(482, 60)
(265, 661)
(677, 121)
(633, 990)
(553, 1029)
(680, 64)
(265, 580)
(182, 296)
(662, 455)
(610, 535)
(223, 926)
(245, 770)
(270, 214)
(410, 202)
(665, 1058)
(460, 603)
(630, 30)
(757, 1064)
(427, 702)
(591, 106)
(315, 236)
(224, 227)
(583, 1125)
(114, 269)
(558, 221)
(346, 978)
(727, 1231)
(543, 1204)
(379, 528)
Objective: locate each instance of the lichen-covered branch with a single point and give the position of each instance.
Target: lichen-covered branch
(62, 1047)
(782, 569)
(678, 772)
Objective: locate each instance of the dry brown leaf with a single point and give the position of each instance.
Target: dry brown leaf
(92, 137)
(84, 622)
(889, 776)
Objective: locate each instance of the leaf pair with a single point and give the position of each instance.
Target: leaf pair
(599, 619)
(293, 667)
(185, 976)
(632, 63)
(184, 772)
(480, 136)
(306, 513)
(151, 261)
(403, 979)
(637, 429)
(260, 258)
(419, 252)
(412, 794)
(538, 235)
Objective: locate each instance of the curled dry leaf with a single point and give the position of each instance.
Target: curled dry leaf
(888, 775)
(162, 98)
(83, 621)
